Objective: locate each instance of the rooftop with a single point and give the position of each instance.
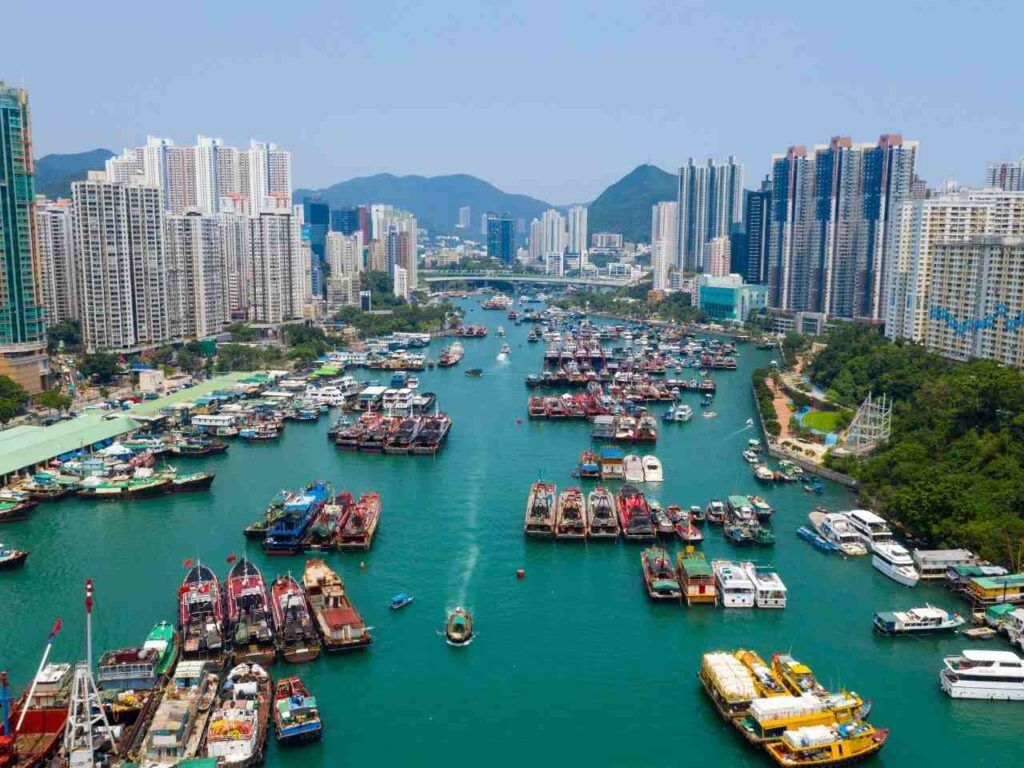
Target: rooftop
(149, 409)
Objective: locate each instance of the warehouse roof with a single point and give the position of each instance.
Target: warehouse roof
(25, 446)
(150, 408)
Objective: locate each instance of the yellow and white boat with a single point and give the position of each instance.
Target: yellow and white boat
(818, 745)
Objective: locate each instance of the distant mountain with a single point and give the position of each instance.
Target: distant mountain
(54, 173)
(434, 200)
(625, 206)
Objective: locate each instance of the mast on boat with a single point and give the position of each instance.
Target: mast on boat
(86, 717)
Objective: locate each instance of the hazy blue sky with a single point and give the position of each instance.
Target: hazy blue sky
(553, 99)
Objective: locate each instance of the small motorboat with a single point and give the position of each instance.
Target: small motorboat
(475, 372)
(652, 470)
(458, 630)
(12, 558)
(750, 457)
(634, 468)
(400, 601)
(709, 414)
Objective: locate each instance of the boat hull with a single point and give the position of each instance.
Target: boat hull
(300, 654)
(255, 653)
(14, 561)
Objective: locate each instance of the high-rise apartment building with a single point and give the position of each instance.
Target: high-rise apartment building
(22, 314)
(719, 258)
(664, 241)
(1008, 177)
(576, 219)
(464, 217)
(501, 237)
(536, 240)
(830, 222)
(57, 268)
(345, 253)
(752, 262)
(401, 283)
(399, 233)
(121, 260)
(280, 274)
(197, 284)
(234, 240)
(710, 205)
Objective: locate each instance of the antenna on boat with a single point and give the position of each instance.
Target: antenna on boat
(86, 715)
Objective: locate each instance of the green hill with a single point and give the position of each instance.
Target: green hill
(54, 173)
(434, 200)
(625, 206)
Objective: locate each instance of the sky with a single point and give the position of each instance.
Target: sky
(555, 99)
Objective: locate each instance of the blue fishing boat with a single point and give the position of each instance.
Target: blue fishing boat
(399, 379)
(400, 601)
(285, 533)
(818, 542)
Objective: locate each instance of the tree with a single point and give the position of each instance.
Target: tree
(53, 399)
(13, 399)
(241, 332)
(100, 365)
(69, 333)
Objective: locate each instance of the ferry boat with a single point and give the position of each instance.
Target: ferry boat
(571, 516)
(735, 589)
(360, 524)
(200, 613)
(32, 744)
(992, 675)
(285, 533)
(653, 472)
(12, 558)
(589, 469)
(871, 528)
(836, 528)
(179, 724)
(634, 468)
(239, 724)
(540, 511)
(296, 715)
(340, 626)
(696, 578)
(601, 520)
(895, 561)
(659, 575)
(728, 683)
(249, 619)
(769, 589)
(835, 744)
(917, 621)
(634, 515)
(296, 636)
(687, 532)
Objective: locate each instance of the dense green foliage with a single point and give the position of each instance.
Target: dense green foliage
(54, 173)
(953, 471)
(404, 317)
(55, 399)
(13, 399)
(632, 303)
(243, 357)
(625, 206)
(241, 332)
(69, 332)
(100, 366)
(766, 401)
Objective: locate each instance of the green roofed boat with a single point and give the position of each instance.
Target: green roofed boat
(164, 640)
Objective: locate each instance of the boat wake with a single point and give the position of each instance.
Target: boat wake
(467, 572)
(744, 428)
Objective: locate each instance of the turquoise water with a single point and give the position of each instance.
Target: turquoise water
(573, 663)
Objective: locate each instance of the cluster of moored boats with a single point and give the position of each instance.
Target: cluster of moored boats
(781, 707)
(372, 432)
(723, 583)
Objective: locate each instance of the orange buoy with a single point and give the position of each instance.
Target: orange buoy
(521, 574)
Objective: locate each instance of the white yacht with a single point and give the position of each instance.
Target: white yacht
(870, 527)
(679, 412)
(894, 561)
(652, 470)
(917, 621)
(835, 527)
(983, 675)
(735, 589)
(769, 589)
(634, 468)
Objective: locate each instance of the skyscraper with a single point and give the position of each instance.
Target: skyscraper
(501, 237)
(829, 224)
(577, 234)
(22, 315)
(710, 205)
(57, 269)
(664, 241)
(719, 262)
(752, 262)
(280, 275)
(554, 238)
(1008, 177)
(464, 214)
(345, 220)
(345, 253)
(317, 221)
(197, 284)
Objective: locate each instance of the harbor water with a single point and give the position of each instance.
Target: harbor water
(572, 664)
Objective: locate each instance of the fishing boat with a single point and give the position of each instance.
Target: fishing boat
(12, 558)
(360, 524)
(237, 734)
(646, 430)
(836, 528)
(735, 589)
(652, 469)
(696, 578)
(540, 511)
(697, 515)
(664, 526)
(835, 744)
(571, 516)
(634, 468)
(178, 726)
(769, 589)
(476, 372)
(601, 519)
(200, 612)
(45, 486)
(249, 618)
(399, 601)
(739, 534)
(284, 535)
(458, 629)
(715, 512)
(340, 626)
(660, 577)
(451, 355)
(296, 715)
(260, 433)
(194, 481)
(589, 469)
(400, 440)
(817, 541)
(764, 474)
(31, 727)
(894, 561)
(762, 509)
(634, 515)
(687, 532)
(975, 674)
(296, 636)
(196, 448)
(142, 484)
(917, 621)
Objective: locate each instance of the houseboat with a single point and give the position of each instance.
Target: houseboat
(696, 578)
(769, 589)
(917, 621)
(589, 468)
(735, 589)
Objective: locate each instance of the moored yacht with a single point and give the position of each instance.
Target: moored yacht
(977, 674)
(895, 561)
(735, 589)
(917, 621)
(634, 468)
(653, 472)
(769, 589)
(872, 529)
(835, 527)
